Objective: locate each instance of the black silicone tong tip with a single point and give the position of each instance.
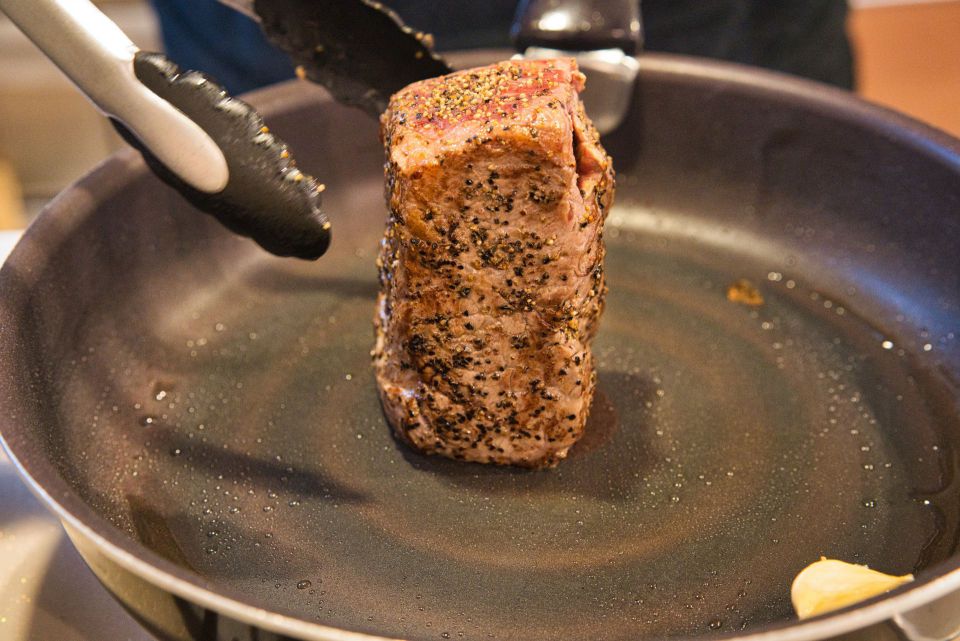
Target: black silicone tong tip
(267, 198)
(359, 50)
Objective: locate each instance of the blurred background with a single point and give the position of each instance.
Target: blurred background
(906, 55)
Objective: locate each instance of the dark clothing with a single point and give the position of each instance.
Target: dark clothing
(207, 36)
(806, 38)
(802, 38)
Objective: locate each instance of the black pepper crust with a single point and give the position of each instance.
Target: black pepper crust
(491, 266)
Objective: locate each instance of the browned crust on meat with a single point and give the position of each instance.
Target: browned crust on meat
(491, 267)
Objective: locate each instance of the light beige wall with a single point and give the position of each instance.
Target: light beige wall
(49, 134)
(908, 58)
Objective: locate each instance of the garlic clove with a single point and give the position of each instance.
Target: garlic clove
(829, 584)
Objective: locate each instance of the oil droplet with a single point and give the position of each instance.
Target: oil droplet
(175, 451)
(927, 347)
(444, 635)
(268, 508)
(219, 327)
(870, 503)
(148, 420)
(887, 344)
(716, 624)
(303, 585)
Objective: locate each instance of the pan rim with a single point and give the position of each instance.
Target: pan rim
(125, 166)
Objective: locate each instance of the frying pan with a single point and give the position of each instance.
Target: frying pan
(203, 418)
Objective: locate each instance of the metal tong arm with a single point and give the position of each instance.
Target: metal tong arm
(98, 57)
(579, 25)
(603, 35)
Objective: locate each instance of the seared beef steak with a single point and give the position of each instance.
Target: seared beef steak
(491, 268)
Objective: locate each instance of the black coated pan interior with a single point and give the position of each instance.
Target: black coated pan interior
(213, 406)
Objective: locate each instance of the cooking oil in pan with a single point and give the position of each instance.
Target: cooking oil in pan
(729, 446)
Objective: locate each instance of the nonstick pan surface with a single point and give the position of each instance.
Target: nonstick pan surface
(193, 403)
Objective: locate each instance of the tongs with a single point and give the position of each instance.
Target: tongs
(214, 149)
(360, 50)
(603, 35)
(363, 53)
